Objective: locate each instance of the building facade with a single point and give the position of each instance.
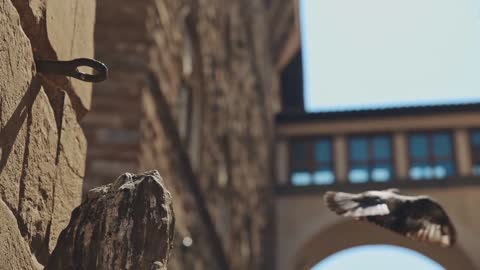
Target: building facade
(431, 150)
(420, 150)
(194, 90)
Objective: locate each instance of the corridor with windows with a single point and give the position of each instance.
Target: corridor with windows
(370, 158)
(379, 146)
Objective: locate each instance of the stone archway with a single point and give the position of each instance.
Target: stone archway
(350, 234)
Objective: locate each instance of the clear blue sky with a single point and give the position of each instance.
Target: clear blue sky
(378, 257)
(364, 53)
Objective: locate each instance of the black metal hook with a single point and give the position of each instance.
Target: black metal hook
(70, 68)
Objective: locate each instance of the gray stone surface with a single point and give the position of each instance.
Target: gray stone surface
(127, 224)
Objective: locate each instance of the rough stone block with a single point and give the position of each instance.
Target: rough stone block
(61, 30)
(15, 76)
(70, 172)
(14, 252)
(42, 148)
(70, 28)
(38, 177)
(127, 224)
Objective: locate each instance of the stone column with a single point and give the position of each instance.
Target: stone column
(282, 166)
(400, 152)
(463, 152)
(341, 158)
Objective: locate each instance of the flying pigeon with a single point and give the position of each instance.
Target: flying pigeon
(417, 217)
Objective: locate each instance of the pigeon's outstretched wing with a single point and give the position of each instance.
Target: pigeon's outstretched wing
(419, 218)
(356, 205)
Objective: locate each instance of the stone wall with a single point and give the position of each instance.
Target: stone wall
(285, 36)
(192, 93)
(42, 146)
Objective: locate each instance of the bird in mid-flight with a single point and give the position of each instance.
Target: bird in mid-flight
(417, 217)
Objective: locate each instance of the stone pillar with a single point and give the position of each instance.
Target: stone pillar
(463, 152)
(282, 166)
(400, 151)
(341, 158)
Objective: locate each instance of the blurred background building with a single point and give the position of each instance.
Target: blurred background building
(193, 91)
(210, 93)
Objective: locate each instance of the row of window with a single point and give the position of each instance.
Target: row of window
(371, 158)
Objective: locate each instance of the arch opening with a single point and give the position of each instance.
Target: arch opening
(345, 235)
(377, 257)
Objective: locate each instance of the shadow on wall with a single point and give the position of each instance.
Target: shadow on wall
(8, 135)
(350, 234)
(11, 130)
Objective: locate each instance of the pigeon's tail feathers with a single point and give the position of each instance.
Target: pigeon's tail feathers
(340, 202)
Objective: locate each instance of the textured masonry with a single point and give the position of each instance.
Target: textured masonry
(193, 93)
(42, 147)
(127, 224)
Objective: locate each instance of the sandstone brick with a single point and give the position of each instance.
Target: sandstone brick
(41, 167)
(36, 187)
(15, 53)
(70, 171)
(70, 29)
(61, 30)
(14, 252)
